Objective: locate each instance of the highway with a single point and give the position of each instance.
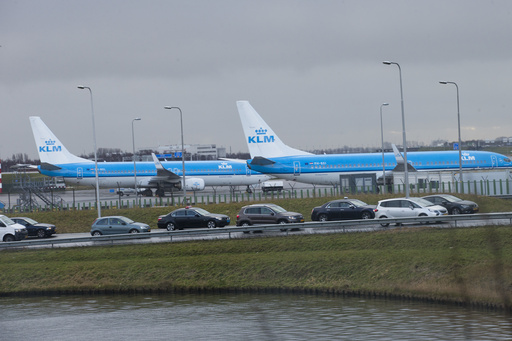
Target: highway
(233, 232)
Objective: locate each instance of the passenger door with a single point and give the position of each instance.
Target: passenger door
(194, 219)
(267, 216)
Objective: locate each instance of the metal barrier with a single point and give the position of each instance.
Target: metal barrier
(345, 225)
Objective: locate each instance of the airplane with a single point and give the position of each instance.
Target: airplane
(270, 155)
(57, 161)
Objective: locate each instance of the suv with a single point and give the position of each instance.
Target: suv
(266, 214)
(10, 231)
(407, 208)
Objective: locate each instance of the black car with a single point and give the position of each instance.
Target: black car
(343, 209)
(34, 228)
(191, 217)
(453, 204)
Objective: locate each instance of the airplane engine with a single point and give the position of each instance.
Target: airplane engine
(194, 184)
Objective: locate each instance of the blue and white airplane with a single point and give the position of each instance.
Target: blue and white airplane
(57, 161)
(271, 156)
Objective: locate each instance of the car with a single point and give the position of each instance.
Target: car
(342, 209)
(117, 225)
(266, 214)
(11, 231)
(126, 191)
(192, 217)
(453, 204)
(41, 230)
(407, 207)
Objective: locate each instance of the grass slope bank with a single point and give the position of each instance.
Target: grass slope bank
(458, 265)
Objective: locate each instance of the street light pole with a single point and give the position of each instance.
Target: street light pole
(182, 155)
(95, 153)
(403, 128)
(382, 144)
(134, 162)
(458, 125)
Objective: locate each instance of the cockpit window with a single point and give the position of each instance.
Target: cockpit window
(506, 159)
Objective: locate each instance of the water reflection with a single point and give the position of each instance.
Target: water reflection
(242, 317)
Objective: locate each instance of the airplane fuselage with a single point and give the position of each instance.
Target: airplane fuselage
(326, 169)
(121, 174)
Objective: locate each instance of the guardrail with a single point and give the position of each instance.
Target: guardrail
(345, 225)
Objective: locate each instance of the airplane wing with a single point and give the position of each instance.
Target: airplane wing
(261, 161)
(163, 174)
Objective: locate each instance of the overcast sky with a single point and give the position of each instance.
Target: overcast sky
(312, 69)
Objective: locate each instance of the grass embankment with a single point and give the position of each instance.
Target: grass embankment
(457, 265)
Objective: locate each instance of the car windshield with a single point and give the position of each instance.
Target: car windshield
(201, 211)
(278, 209)
(126, 220)
(7, 221)
(358, 203)
(421, 202)
(31, 221)
(450, 198)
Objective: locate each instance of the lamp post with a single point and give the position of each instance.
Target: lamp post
(182, 155)
(403, 128)
(134, 162)
(95, 153)
(382, 144)
(458, 125)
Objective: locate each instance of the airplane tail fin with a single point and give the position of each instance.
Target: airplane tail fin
(49, 148)
(260, 138)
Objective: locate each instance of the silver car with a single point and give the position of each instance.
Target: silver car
(117, 225)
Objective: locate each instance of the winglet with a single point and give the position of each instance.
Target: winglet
(398, 156)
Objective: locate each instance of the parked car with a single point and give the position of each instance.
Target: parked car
(343, 209)
(11, 231)
(126, 191)
(266, 214)
(34, 228)
(453, 204)
(117, 225)
(407, 207)
(192, 217)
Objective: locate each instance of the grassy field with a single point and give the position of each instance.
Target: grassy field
(471, 265)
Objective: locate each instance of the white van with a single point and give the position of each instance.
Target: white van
(10, 231)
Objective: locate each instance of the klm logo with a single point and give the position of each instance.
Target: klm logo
(224, 165)
(467, 157)
(50, 147)
(261, 137)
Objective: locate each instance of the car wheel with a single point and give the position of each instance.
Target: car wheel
(41, 234)
(121, 194)
(171, 227)
(211, 224)
(322, 217)
(424, 215)
(455, 210)
(366, 215)
(383, 224)
(9, 238)
(134, 231)
(96, 233)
